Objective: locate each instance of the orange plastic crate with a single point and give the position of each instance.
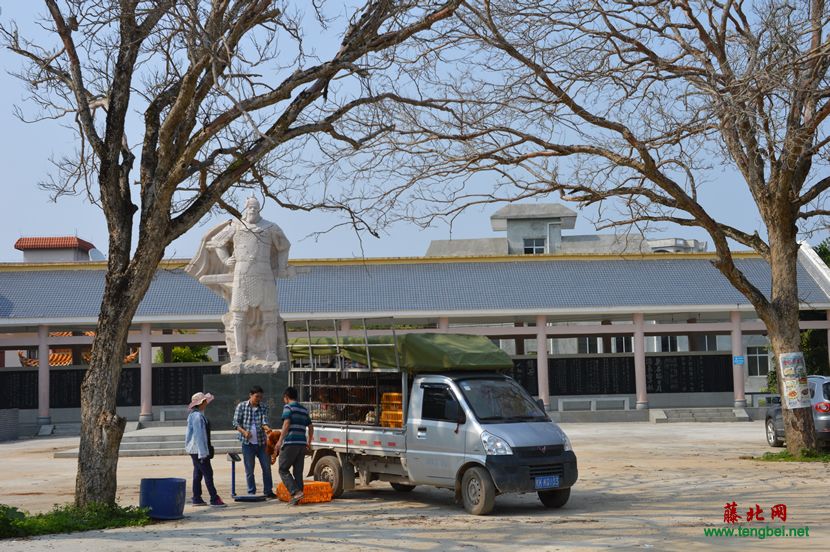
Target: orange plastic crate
(313, 491)
(391, 418)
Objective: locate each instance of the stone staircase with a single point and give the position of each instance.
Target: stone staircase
(169, 423)
(67, 429)
(677, 415)
(164, 441)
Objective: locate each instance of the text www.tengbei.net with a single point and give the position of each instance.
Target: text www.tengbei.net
(761, 532)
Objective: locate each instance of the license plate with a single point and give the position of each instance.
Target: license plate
(547, 482)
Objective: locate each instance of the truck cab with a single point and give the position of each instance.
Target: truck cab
(482, 434)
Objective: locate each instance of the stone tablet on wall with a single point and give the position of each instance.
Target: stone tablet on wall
(241, 261)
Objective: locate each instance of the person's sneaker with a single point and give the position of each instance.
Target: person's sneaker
(218, 503)
(271, 496)
(198, 502)
(296, 498)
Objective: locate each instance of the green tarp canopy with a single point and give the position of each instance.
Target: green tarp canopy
(427, 352)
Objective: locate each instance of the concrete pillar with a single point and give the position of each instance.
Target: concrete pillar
(43, 417)
(542, 359)
(146, 358)
(639, 346)
(738, 369)
(444, 324)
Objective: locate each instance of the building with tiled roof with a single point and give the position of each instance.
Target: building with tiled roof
(654, 329)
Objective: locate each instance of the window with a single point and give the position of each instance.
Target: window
(500, 401)
(668, 343)
(587, 345)
(621, 344)
(436, 398)
(712, 342)
(534, 246)
(757, 361)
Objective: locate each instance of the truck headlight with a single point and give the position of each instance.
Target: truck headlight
(495, 446)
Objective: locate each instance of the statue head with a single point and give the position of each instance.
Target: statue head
(251, 212)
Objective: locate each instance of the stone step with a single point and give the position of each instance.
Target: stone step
(164, 441)
(698, 410)
(724, 414)
(66, 430)
(139, 437)
(220, 451)
(165, 445)
(169, 423)
(703, 416)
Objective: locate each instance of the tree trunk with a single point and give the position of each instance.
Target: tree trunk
(101, 426)
(785, 336)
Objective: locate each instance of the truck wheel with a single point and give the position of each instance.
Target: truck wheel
(772, 438)
(328, 469)
(478, 491)
(402, 488)
(555, 499)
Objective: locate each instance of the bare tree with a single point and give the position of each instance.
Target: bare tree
(629, 105)
(201, 96)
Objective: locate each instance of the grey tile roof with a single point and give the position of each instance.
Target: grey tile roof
(426, 286)
(55, 294)
(525, 285)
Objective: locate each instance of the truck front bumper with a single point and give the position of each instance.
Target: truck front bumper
(515, 473)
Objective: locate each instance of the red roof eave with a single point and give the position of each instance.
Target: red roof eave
(59, 242)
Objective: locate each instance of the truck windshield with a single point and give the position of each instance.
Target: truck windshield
(500, 401)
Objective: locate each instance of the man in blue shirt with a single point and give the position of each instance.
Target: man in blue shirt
(250, 419)
(293, 444)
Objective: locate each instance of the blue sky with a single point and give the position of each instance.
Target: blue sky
(25, 150)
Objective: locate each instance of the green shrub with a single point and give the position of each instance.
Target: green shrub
(9, 518)
(772, 380)
(69, 519)
(784, 456)
(185, 353)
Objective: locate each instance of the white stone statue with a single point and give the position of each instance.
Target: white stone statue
(241, 260)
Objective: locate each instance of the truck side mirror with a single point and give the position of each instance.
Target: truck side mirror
(541, 404)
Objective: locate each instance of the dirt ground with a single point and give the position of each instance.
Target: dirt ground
(640, 486)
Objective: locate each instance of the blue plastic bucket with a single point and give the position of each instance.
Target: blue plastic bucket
(164, 497)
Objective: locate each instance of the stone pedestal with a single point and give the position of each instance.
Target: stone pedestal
(254, 366)
(230, 389)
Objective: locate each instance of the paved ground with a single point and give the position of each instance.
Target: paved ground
(641, 486)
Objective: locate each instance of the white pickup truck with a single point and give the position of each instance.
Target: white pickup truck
(477, 432)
